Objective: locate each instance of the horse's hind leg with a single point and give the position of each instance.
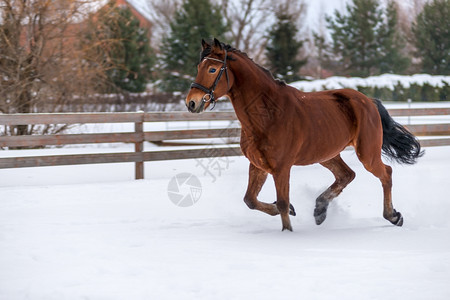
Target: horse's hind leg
(257, 178)
(344, 175)
(373, 163)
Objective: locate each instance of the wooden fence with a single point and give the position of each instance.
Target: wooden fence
(139, 136)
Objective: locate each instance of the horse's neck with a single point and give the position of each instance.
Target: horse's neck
(252, 95)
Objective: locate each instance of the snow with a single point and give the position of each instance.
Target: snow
(92, 232)
(143, 7)
(386, 80)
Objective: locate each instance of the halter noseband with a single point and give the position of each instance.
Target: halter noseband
(209, 96)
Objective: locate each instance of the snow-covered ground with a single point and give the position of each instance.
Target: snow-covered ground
(92, 232)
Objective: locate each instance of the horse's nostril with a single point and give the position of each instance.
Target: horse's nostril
(192, 104)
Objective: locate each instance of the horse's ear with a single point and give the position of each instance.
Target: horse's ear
(217, 44)
(205, 45)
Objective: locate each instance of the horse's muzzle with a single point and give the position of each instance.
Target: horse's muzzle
(194, 108)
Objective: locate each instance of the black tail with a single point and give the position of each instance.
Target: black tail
(398, 143)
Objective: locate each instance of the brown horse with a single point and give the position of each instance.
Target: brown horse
(282, 127)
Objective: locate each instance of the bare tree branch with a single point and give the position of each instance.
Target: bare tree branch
(43, 65)
(162, 13)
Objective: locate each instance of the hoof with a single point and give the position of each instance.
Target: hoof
(320, 214)
(397, 220)
(289, 227)
(291, 210)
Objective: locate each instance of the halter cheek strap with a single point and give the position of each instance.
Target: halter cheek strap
(209, 93)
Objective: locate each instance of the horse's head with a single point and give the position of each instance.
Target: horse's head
(213, 79)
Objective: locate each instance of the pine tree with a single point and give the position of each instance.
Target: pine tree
(322, 52)
(134, 54)
(125, 48)
(283, 48)
(392, 60)
(196, 20)
(354, 37)
(366, 39)
(432, 37)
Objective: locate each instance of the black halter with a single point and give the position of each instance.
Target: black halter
(209, 96)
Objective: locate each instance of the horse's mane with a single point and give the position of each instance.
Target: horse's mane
(230, 49)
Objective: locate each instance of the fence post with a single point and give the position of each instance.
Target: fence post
(139, 146)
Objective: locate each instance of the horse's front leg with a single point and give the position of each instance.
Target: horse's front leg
(281, 179)
(256, 180)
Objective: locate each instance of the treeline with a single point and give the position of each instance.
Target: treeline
(56, 52)
(368, 38)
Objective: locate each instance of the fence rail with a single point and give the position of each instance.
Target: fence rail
(120, 117)
(139, 136)
(126, 137)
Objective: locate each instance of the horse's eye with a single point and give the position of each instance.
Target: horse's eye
(212, 70)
